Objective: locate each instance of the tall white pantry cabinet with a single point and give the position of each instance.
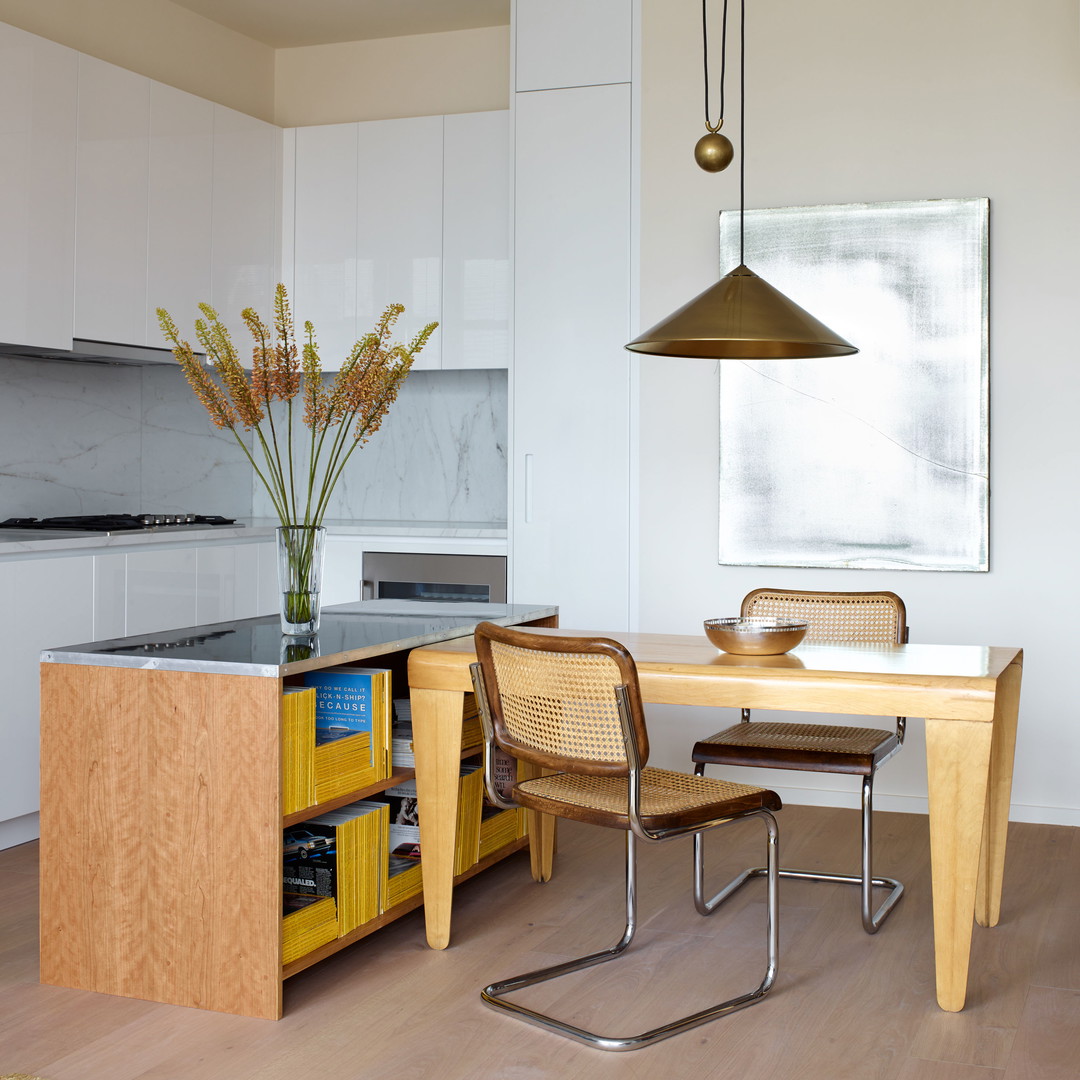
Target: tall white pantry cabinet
(573, 141)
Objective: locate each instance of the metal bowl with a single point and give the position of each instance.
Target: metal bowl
(755, 635)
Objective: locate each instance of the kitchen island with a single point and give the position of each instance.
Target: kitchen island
(162, 798)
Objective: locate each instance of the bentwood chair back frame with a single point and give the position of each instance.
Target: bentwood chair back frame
(571, 707)
(833, 617)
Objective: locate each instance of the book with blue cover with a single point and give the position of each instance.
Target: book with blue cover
(348, 700)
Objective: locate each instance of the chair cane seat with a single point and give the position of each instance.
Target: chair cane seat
(668, 799)
(813, 747)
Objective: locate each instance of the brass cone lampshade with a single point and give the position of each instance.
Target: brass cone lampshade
(742, 317)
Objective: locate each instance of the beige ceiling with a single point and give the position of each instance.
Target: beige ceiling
(284, 24)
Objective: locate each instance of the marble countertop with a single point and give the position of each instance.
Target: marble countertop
(348, 633)
(33, 541)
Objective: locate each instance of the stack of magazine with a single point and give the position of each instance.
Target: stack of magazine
(297, 749)
(309, 921)
(352, 729)
(341, 854)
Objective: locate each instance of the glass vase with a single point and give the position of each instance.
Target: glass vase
(300, 567)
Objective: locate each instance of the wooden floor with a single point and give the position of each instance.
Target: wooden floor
(845, 1005)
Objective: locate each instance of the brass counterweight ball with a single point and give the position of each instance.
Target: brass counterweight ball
(714, 152)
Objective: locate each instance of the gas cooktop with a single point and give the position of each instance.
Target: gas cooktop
(118, 522)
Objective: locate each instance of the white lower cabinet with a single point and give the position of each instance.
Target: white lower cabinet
(142, 592)
(161, 590)
(48, 602)
(234, 581)
(342, 570)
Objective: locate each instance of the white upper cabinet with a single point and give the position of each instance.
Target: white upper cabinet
(38, 88)
(324, 237)
(412, 211)
(399, 226)
(475, 325)
(179, 202)
(245, 256)
(561, 43)
(112, 212)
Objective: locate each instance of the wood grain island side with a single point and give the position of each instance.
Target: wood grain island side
(161, 811)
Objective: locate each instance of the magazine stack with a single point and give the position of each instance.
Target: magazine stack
(352, 729)
(297, 749)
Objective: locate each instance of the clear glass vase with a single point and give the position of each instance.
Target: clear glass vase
(300, 567)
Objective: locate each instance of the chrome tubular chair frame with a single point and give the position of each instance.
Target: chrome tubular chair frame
(871, 919)
(637, 829)
(839, 619)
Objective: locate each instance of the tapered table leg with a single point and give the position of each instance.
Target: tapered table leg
(541, 835)
(957, 766)
(998, 795)
(436, 716)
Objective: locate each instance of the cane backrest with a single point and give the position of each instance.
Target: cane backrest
(554, 702)
(868, 617)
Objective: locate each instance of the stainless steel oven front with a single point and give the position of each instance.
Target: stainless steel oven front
(400, 575)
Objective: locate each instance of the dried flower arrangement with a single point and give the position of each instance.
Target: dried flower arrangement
(298, 472)
(339, 418)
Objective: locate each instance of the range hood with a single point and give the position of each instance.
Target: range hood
(95, 352)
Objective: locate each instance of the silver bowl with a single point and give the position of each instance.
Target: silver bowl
(755, 635)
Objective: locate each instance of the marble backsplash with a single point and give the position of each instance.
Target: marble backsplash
(91, 438)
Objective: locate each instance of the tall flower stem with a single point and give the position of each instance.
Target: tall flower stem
(353, 404)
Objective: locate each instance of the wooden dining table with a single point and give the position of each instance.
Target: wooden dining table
(968, 694)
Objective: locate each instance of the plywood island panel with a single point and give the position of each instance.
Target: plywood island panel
(161, 836)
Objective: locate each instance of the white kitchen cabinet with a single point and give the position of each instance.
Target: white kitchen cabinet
(110, 596)
(48, 602)
(324, 237)
(570, 386)
(562, 43)
(193, 216)
(475, 326)
(179, 208)
(161, 590)
(112, 210)
(412, 211)
(245, 244)
(38, 94)
(342, 569)
(399, 226)
(230, 582)
(167, 588)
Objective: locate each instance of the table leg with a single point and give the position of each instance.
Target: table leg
(998, 795)
(957, 766)
(541, 834)
(436, 716)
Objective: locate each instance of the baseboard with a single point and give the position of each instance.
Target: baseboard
(20, 830)
(917, 804)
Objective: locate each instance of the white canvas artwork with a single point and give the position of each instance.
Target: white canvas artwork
(878, 460)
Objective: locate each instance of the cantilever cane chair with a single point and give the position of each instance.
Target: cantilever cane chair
(572, 707)
(865, 617)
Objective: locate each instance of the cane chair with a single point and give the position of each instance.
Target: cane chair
(863, 617)
(571, 707)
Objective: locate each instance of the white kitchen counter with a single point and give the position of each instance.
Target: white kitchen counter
(31, 542)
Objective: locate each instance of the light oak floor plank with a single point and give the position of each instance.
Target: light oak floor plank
(846, 1005)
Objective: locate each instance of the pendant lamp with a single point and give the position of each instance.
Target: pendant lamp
(741, 317)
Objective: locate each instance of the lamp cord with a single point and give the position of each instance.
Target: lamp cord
(714, 128)
(742, 125)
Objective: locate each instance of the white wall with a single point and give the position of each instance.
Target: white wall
(847, 102)
(161, 40)
(422, 75)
